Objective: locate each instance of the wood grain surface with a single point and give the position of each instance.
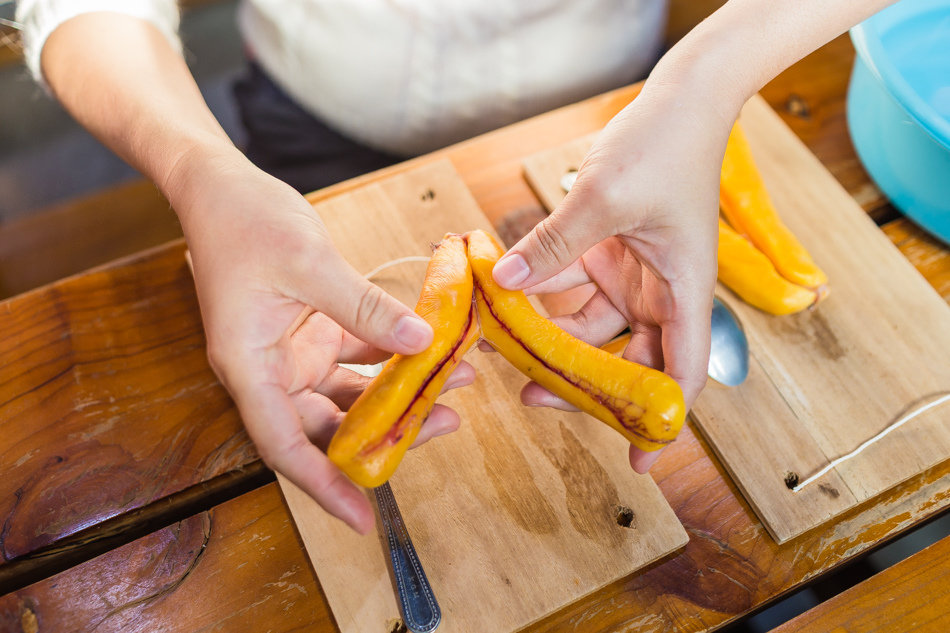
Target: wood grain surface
(913, 595)
(236, 568)
(823, 381)
(729, 567)
(107, 402)
(930, 257)
(532, 496)
(544, 170)
(837, 375)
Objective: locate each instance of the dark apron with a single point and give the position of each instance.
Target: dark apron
(291, 144)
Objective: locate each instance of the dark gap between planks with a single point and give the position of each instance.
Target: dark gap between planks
(885, 214)
(125, 528)
(838, 579)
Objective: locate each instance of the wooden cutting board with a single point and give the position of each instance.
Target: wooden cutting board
(516, 514)
(824, 381)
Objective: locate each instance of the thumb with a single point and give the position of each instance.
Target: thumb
(553, 245)
(369, 313)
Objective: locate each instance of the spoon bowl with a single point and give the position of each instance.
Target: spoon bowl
(729, 347)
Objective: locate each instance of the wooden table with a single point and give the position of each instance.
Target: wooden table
(913, 595)
(132, 500)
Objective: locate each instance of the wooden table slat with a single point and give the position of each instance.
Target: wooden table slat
(238, 568)
(107, 402)
(913, 595)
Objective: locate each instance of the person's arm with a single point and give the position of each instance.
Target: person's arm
(261, 254)
(641, 220)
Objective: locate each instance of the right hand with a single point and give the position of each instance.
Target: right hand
(262, 257)
(641, 224)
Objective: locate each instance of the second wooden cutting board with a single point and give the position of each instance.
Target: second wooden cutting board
(825, 380)
(516, 514)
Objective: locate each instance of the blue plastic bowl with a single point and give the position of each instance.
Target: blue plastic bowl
(899, 108)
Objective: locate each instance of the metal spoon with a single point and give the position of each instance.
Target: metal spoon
(729, 349)
(420, 609)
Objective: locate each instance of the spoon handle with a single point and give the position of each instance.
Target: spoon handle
(420, 610)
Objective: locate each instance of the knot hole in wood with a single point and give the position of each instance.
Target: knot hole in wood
(396, 625)
(625, 517)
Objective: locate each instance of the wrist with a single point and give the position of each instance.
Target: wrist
(701, 71)
(188, 170)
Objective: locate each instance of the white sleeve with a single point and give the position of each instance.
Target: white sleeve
(41, 17)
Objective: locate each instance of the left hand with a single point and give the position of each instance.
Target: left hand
(322, 390)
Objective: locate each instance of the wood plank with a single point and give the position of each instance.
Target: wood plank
(80, 234)
(913, 595)
(846, 369)
(237, 568)
(728, 567)
(531, 495)
(545, 170)
(109, 534)
(107, 402)
(926, 253)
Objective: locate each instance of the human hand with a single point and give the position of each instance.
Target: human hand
(641, 223)
(263, 260)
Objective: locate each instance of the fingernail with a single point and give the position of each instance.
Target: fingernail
(511, 270)
(358, 523)
(413, 332)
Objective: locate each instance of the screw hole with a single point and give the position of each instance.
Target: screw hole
(625, 517)
(396, 625)
(798, 107)
(791, 480)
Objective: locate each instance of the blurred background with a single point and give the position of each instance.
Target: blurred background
(66, 202)
(46, 158)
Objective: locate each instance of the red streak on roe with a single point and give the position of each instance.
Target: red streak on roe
(407, 419)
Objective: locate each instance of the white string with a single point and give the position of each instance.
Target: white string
(907, 418)
(373, 370)
(395, 262)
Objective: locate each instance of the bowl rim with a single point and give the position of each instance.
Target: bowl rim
(866, 38)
